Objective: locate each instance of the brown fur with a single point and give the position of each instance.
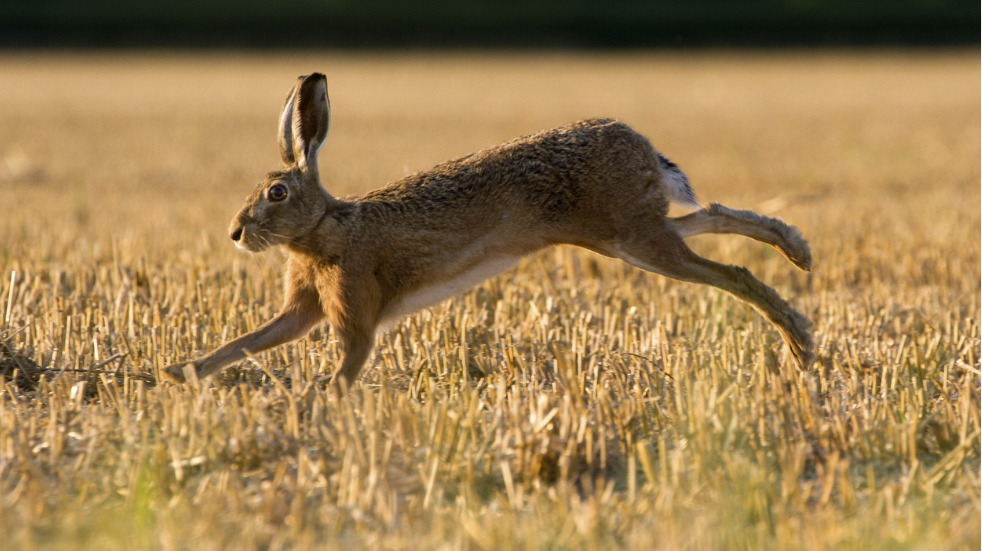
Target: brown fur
(595, 183)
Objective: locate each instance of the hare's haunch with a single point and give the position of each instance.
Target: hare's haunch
(595, 183)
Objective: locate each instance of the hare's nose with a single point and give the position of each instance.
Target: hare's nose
(236, 234)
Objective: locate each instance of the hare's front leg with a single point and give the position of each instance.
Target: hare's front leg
(357, 347)
(296, 318)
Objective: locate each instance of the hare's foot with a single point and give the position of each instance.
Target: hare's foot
(176, 373)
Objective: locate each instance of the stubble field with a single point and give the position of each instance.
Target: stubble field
(571, 403)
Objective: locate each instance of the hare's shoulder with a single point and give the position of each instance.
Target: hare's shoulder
(446, 182)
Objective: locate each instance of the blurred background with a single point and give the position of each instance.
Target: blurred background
(481, 23)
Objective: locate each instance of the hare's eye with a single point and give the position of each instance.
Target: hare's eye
(277, 193)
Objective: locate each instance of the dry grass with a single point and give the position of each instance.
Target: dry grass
(573, 402)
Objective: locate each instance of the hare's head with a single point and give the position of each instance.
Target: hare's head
(289, 203)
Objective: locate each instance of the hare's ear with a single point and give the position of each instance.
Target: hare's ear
(284, 134)
(311, 119)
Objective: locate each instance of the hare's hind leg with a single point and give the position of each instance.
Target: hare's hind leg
(719, 219)
(668, 255)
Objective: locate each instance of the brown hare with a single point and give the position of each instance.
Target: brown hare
(595, 183)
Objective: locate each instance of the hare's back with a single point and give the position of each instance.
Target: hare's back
(553, 169)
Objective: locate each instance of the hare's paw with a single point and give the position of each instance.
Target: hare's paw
(796, 249)
(799, 339)
(176, 373)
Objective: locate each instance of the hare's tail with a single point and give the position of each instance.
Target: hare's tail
(679, 190)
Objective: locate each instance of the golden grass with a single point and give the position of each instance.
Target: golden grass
(572, 403)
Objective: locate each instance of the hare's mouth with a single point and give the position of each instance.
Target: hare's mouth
(251, 247)
(251, 240)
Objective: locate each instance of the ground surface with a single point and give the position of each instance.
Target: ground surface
(573, 402)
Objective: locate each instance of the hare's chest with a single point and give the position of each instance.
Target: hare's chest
(430, 294)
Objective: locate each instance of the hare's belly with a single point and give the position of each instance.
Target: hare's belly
(437, 292)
